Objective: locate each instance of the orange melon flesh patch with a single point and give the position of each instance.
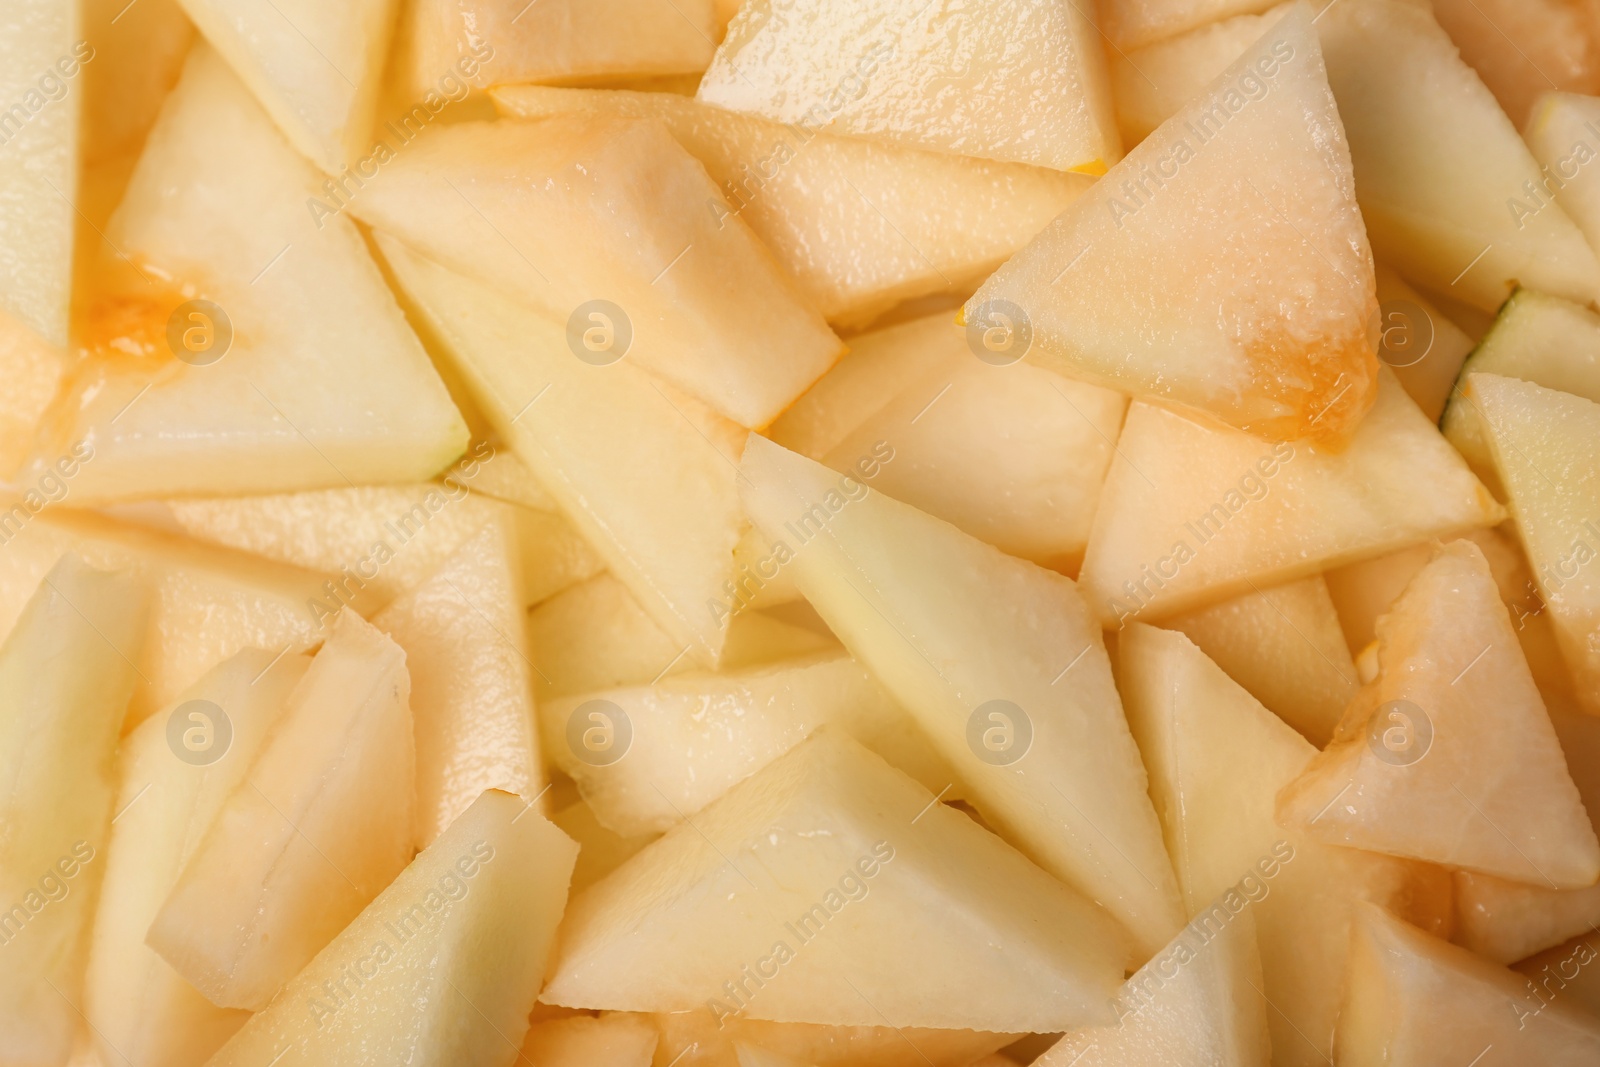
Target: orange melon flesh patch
(1223, 264)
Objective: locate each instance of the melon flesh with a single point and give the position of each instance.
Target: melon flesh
(1134, 24)
(615, 1039)
(807, 890)
(859, 224)
(1564, 971)
(138, 56)
(1423, 347)
(579, 207)
(1264, 319)
(442, 968)
(698, 1041)
(33, 371)
(319, 826)
(1524, 48)
(600, 851)
(1193, 513)
(141, 1010)
(949, 625)
(1000, 80)
(66, 672)
(1561, 134)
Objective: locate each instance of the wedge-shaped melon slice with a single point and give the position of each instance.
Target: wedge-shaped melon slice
(1546, 448)
(1284, 645)
(41, 54)
(471, 680)
(442, 968)
(317, 828)
(1194, 512)
(1217, 759)
(1449, 755)
(616, 1039)
(1561, 134)
(218, 601)
(216, 212)
(1436, 161)
(1013, 455)
(1264, 320)
(66, 672)
(910, 223)
(1423, 347)
(586, 215)
(646, 758)
(1001, 664)
(316, 68)
(700, 1042)
(999, 81)
(1524, 48)
(33, 370)
(1411, 998)
(657, 502)
(808, 889)
(174, 781)
(1198, 1003)
(600, 851)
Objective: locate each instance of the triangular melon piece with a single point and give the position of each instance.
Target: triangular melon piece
(39, 161)
(1217, 759)
(615, 1039)
(1193, 512)
(442, 968)
(319, 825)
(1436, 161)
(602, 223)
(66, 672)
(1449, 756)
(139, 1009)
(1411, 998)
(657, 502)
(1524, 48)
(33, 371)
(1264, 319)
(216, 211)
(699, 1041)
(1546, 448)
(996, 81)
(471, 680)
(999, 661)
(919, 222)
(316, 67)
(1198, 1003)
(810, 895)
(1283, 644)
(1561, 135)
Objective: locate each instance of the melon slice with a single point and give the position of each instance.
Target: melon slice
(1197, 1004)
(1217, 759)
(1561, 134)
(1194, 512)
(1001, 80)
(698, 1041)
(909, 222)
(807, 891)
(615, 1039)
(221, 601)
(1001, 664)
(442, 968)
(316, 68)
(1449, 755)
(600, 851)
(66, 672)
(1524, 48)
(1411, 998)
(319, 825)
(139, 1009)
(647, 757)
(657, 502)
(216, 211)
(1013, 455)
(1546, 448)
(1436, 161)
(471, 681)
(1283, 644)
(33, 371)
(1423, 347)
(584, 210)
(1265, 319)
(39, 161)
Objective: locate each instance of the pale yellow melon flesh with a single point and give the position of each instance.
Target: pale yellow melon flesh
(1001, 80)
(1283, 644)
(1136, 23)
(140, 1009)
(33, 371)
(700, 1042)
(138, 55)
(600, 851)
(1423, 347)
(66, 672)
(1561, 134)
(442, 968)
(576, 208)
(1265, 318)
(861, 225)
(950, 625)
(319, 826)
(810, 888)
(1564, 971)
(1193, 513)
(1525, 48)
(1411, 998)
(613, 1040)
